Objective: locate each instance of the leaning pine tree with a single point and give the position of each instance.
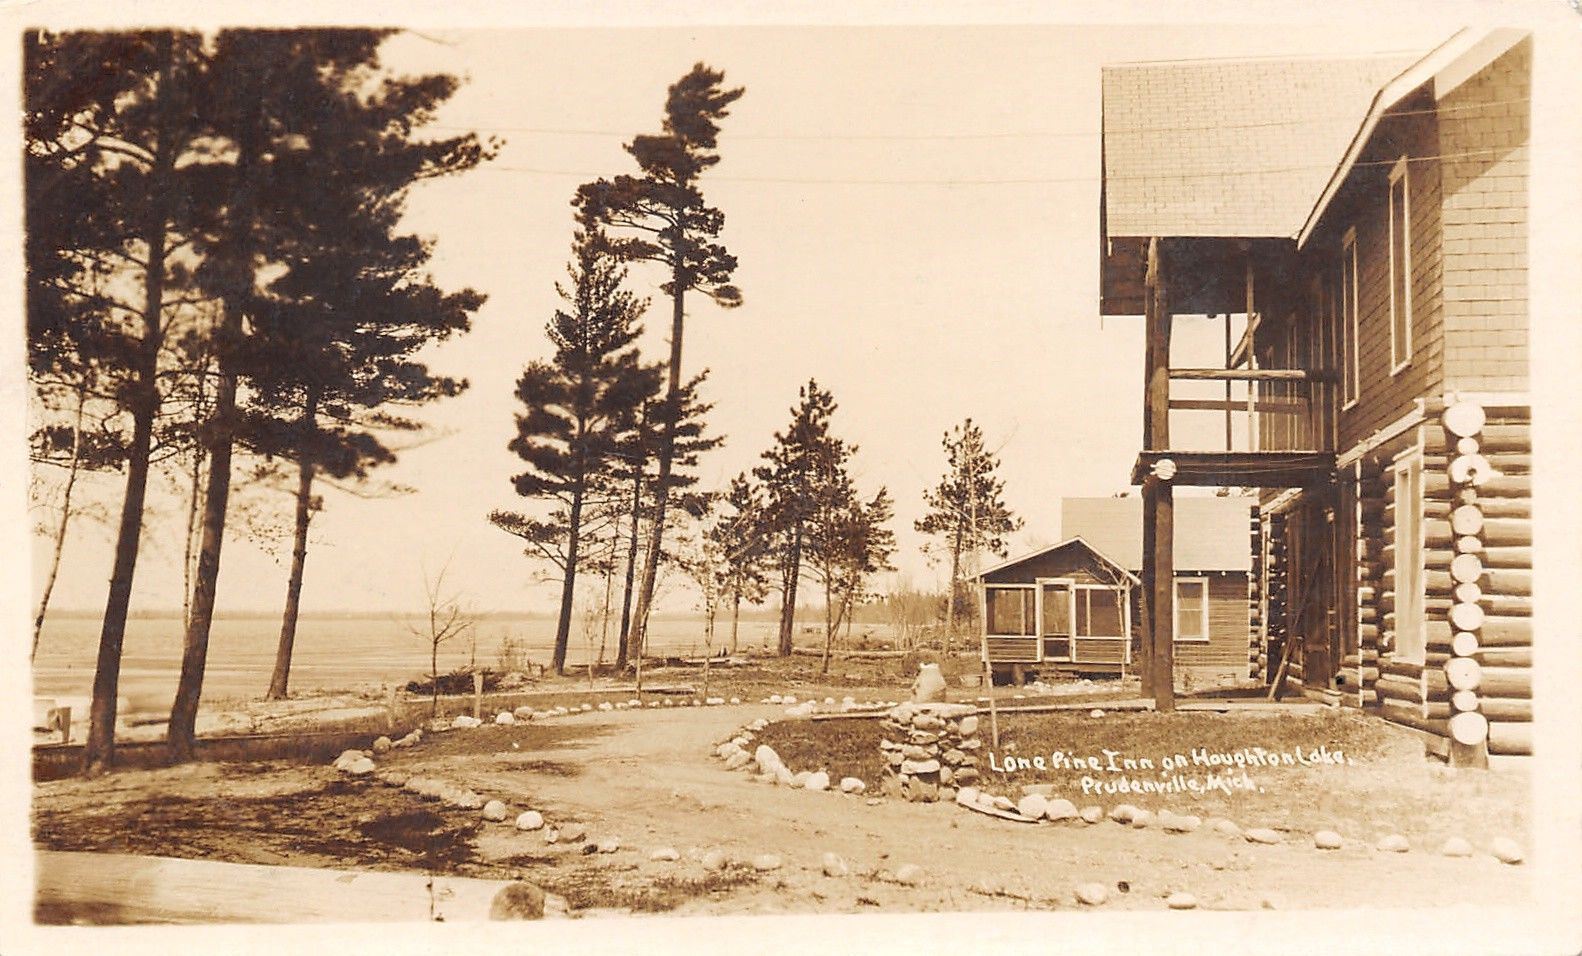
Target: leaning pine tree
(660, 216)
(577, 407)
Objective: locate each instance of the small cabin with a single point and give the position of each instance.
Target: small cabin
(1071, 607)
(1066, 607)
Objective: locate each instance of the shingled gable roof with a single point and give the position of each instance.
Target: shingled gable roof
(1229, 147)
(1072, 542)
(1211, 533)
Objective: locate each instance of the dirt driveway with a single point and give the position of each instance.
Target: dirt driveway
(648, 777)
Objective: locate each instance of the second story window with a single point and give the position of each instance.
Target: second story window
(1400, 270)
(1348, 319)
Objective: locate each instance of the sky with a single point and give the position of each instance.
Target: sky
(915, 212)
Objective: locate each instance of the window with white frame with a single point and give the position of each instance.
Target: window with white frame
(1191, 609)
(1410, 636)
(1400, 270)
(1348, 319)
(1098, 611)
(1011, 610)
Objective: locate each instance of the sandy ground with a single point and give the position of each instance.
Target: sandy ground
(649, 778)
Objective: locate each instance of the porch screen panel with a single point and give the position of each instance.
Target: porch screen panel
(1104, 613)
(1057, 620)
(1010, 610)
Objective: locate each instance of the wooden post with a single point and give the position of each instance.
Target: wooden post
(477, 695)
(1145, 658)
(1252, 362)
(1163, 638)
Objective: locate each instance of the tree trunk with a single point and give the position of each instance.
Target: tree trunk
(667, 451)
(622, 646)
(194, 499)
(829, 622)
(568, 584)
(299, 556)
(788, 592)
(736, 619)
(955, 577)
(181, 734)
(99, 750)
(65, 520)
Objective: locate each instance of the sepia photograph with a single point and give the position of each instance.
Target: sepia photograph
(725, 477)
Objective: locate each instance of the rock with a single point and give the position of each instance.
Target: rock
(551, 835)
(1181, 901)
(1123, 813)
(921, 767)
(953, 757)
(1456, 846)
(1394, 843)
(1506, 850)
(1092, 894)
(360, 767)
(766, 757)
(835, 866)
(737, 760)
(1180, 824)
(609, 844)
(1095, 713)
(1060, 809)
(909, 874)
(606, 705)
(829, 702)
(393, 778)
(714, 861)
(784, 777)
(788, 699)
(852, 785)
(1032, 806)
(1327, 840)
(776, 699)
(968, 726)
(1227, 827)
(494, 811)
(800, 777)
(923, 738)
(529, 820)
(524, 712)
(573, 832)
(740, 740)
(816, 781)
(1143, 819)
(766, 862)
(736, 700)
(665, 854)
(873, 801)
(517, 901)
(929, 686)
(505, 717)
(967, 796)
(346, 758)
(1262, 835)
(463, 720)
(382, 745)
(1091, 814)
(463, 799)
(1003, 803)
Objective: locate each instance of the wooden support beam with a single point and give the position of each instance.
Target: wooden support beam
(1271, 405)
(1243, 374)
(1161, 641)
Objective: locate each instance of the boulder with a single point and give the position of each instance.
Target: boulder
(524, 712)
(788, 699)
(835, 866)
(1456, 846)
(766, 757)
(1227, 827)
(1060, 809)
(360, 767)
(967, 796)
(737, 760)
(920, 766)
(462, 799)
(852, 785)
(766, 862)
(1180, 824)
(800, 777)
(1181, 901)
(665, 854)
(1123, 813)
(1003, 803)
(1394, 843)
(573, 832)
(529, 820)
(517, 901)
(776, 699)
(1262, 835)
(505, 717)
(393, 778)
(1092, 894)
(736, 700)
(609, 844)
(909, 874)
(1143, 819)
(606, 705)
(784, 777)
(1506, 850)
(953, 757)
(968, 726)
(346, 758)
(494, 811)
(1095, 713)
(816, 781)
(551, 835)
(1327, 840)
(1032, 806)
(714, 861)
(929, 686)
(1091, 814)
(382, 745)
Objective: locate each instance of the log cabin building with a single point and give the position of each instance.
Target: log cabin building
(1072, 607)
(1365, 221)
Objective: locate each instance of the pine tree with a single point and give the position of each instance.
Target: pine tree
(578, 406)
(967, 510)
(660, 216)
(742, 537)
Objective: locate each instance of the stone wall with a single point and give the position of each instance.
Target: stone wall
(930, 750)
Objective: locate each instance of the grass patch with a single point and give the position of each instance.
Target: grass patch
(843, 748)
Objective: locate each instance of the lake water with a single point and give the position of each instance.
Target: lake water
(331, 652)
